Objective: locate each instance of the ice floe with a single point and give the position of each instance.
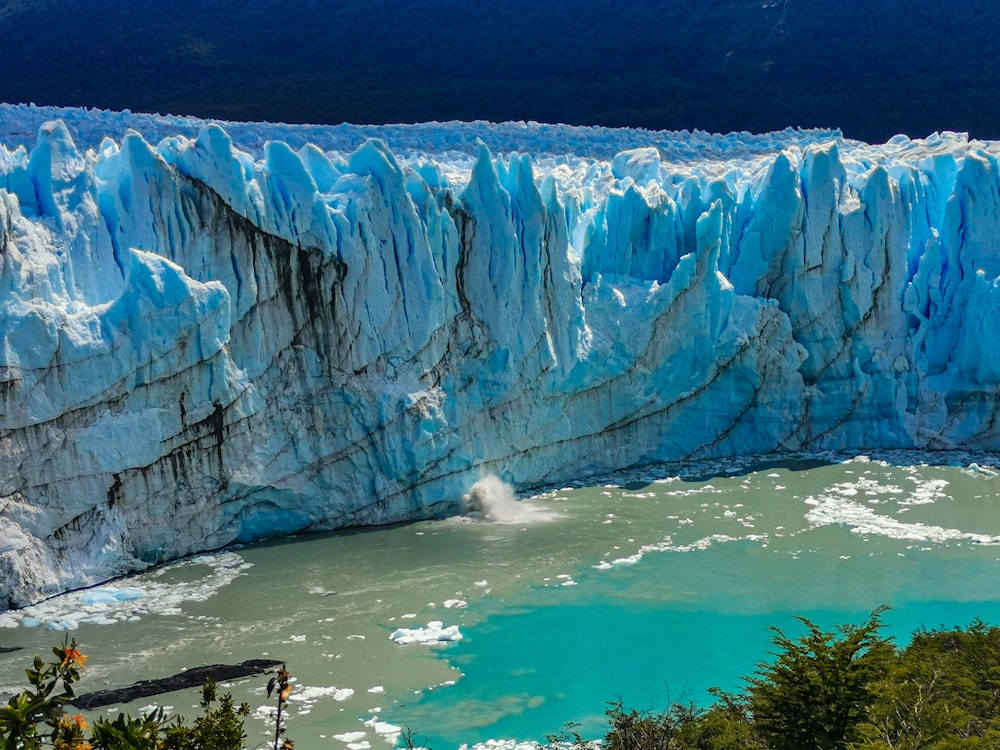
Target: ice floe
(150, 593)
(307, 697)
(389, 732)
(831, 509)
(434, 632)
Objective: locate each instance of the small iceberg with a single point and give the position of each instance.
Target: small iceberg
(111, 595)
(435, 632)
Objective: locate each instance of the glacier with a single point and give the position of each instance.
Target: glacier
(214, 333)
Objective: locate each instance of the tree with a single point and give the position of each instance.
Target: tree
(818, 690)
(942, 692)
(727, 725)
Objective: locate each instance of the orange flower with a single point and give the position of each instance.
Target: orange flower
(74, 657)
(79, 720)
(75, 724)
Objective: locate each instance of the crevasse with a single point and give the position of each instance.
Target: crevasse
(203, 343)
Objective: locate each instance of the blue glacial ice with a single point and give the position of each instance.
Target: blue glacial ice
(212, 334)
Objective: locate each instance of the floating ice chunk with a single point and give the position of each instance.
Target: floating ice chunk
(350, 736)
(833, 509)
(108, 605)
(389, 732)
(111, 595)
(984, 470)
(377, 689)
(528, 745)
(362, 745)
(455, 604)
(98, 596)
(926, 492)
(67, 624)
(98, 619)
(264, 713)
(129, 594)
(702, 544)
(630, 560)
(435, 632)
(309, 695)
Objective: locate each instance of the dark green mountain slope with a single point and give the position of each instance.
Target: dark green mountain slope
(871, 67)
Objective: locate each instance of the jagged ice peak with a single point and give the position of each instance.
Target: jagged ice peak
(213, 333)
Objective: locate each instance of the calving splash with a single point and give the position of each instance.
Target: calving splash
(493, 500)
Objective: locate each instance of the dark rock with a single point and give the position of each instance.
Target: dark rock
(189, 678)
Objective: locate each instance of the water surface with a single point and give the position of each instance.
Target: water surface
(651, 589)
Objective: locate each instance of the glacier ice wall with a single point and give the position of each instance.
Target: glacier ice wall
(202, 343)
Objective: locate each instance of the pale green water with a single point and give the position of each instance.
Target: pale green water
(672, 586)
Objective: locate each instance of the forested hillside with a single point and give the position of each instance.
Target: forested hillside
(870, 67)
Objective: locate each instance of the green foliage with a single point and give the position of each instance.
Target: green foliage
(50, 684)
(849, 689)
(216, 729)
(819, 687)
(23, 719)
(127, 733)
(942, 692)
(631, 730)
(726, 725)
(682, 726)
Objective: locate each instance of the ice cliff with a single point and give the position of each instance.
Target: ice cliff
(205, 341)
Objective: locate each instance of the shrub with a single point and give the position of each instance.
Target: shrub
(819, 688)
(35, 718)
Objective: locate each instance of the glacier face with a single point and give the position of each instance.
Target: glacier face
(204, 341)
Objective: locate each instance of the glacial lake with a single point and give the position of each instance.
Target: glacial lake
(651, 587)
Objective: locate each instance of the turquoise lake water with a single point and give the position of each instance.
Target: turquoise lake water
(652, 588)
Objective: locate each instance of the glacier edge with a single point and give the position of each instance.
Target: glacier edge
(203, 343)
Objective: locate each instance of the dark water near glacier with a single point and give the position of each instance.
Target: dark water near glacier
(651, 589)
